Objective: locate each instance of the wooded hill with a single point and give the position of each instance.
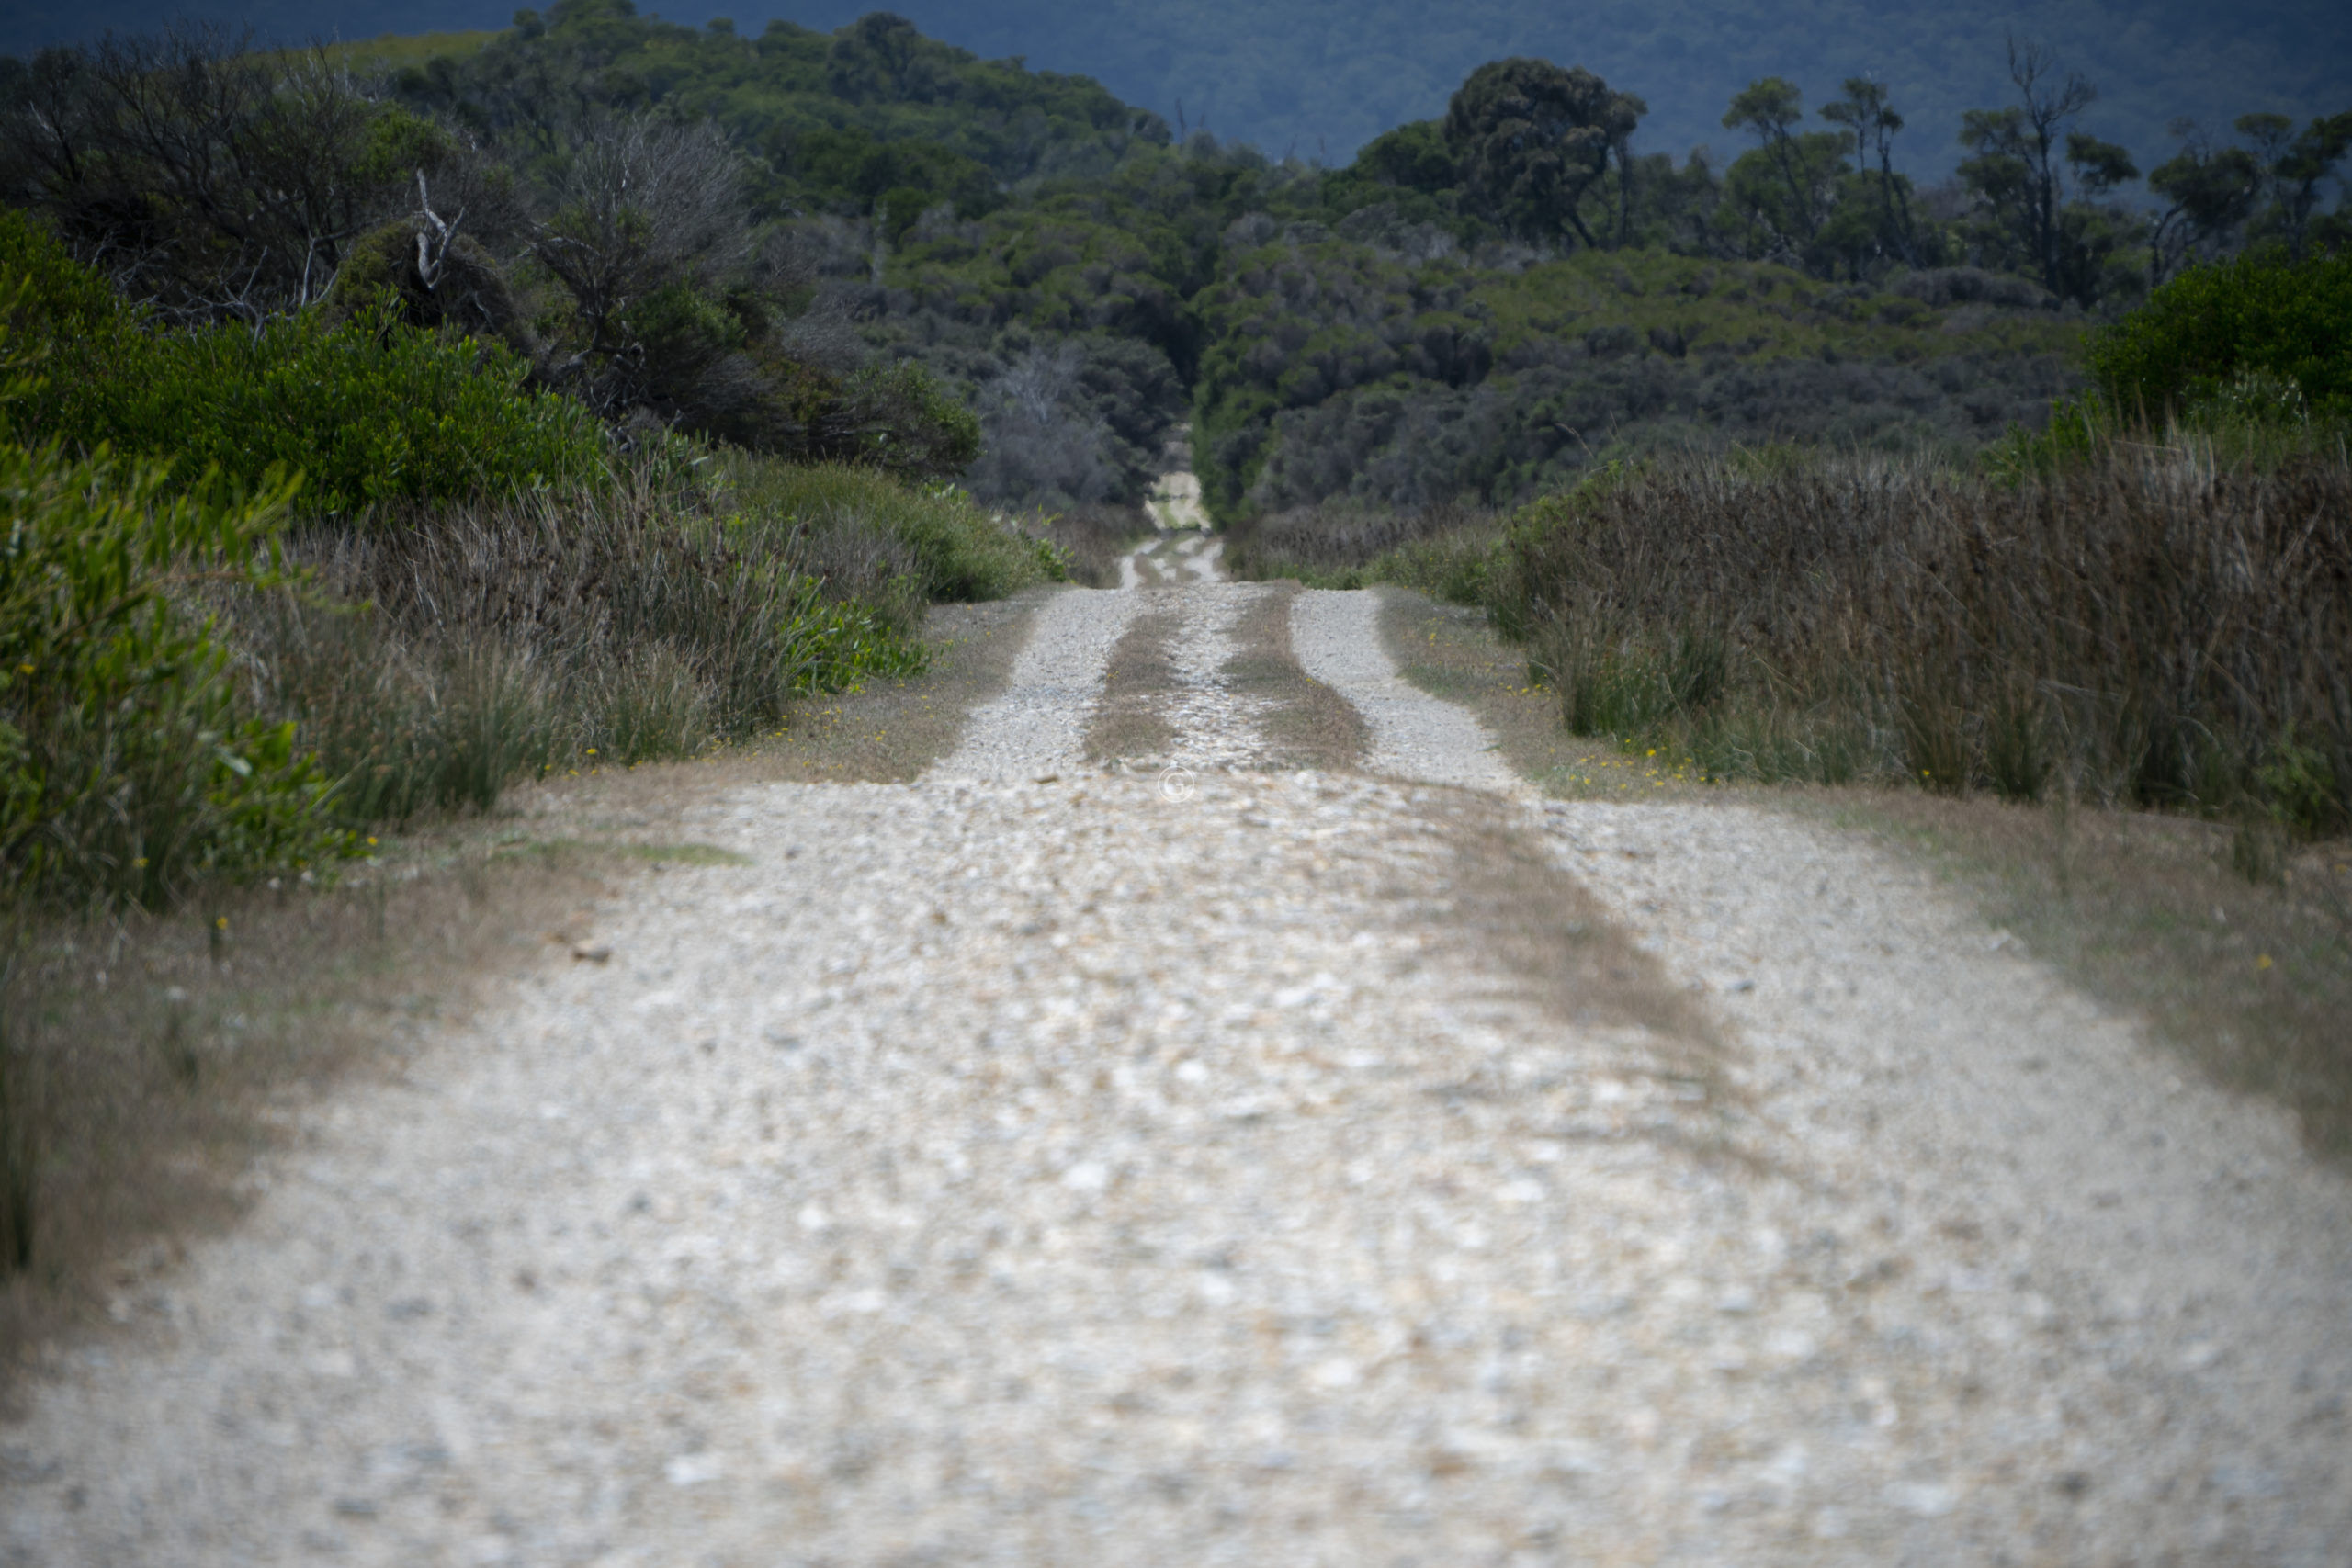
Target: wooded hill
(1322, 77)
(1474, 307)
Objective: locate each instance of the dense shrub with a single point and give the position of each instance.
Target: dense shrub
(367, 411)
(1340, 369)
(2143, 627)
(129, 765)
(2203, 332)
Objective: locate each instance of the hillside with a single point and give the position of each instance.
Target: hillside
(1455, 314)
(1321, 78)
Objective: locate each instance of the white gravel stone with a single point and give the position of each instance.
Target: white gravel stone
(1337, 638)
(1037, 725)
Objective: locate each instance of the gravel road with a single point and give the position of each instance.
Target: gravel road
(993, 1170)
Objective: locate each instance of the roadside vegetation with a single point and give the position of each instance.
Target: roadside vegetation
(2099, 671)
(869, 222)
(325, 527)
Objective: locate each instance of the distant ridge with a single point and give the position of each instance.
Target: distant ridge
(1319, 77)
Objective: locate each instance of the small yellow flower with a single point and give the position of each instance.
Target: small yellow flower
(140, 862)
(24, 669)
(592, 751)
(221, 922)
(2262, 961)
(371, 843)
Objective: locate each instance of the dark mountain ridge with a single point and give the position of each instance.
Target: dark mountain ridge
(1320, 77)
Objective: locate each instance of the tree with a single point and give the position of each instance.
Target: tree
(1767, 109)
(2207, 192)
(214, 181)
(1530, 139)
(2290, 170)
(647, 219)
(1786, 188)
(1870, 118)
(2018, 173)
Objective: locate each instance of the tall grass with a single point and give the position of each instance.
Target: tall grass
(953, 550)
(1444, 551)
(2144, 625)
(456, 650)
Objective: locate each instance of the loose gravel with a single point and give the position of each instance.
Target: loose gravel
(991, 1171)
(1336, 636)
(1037, 725)
(1217, 726)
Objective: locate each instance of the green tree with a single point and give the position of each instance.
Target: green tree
(1870, 119)
(1530, 139)
(2037, 183)
(2207, 192)
(1804, 167)
(2291, 167)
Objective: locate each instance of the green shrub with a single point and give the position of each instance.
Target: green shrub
(368, 410)
(957, 551)
(904, 422)
(128, 765)
(2287, 319)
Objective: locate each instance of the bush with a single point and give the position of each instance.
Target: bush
(480, 644)
(2200, 333)
(2152, 628)
(129, 767)
(954, 550)
(369, 411)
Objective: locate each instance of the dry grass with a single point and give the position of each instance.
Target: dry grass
(149, 1060)
(1137, 684)
(2145, 628)
(1306, 724)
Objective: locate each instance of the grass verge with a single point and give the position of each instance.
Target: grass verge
(150, 1059)
(1448, 651)
(2236, 949)
(147, 1061)
(2249, 978)
(1139, 682)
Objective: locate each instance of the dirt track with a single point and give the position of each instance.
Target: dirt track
(1131, 1167)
